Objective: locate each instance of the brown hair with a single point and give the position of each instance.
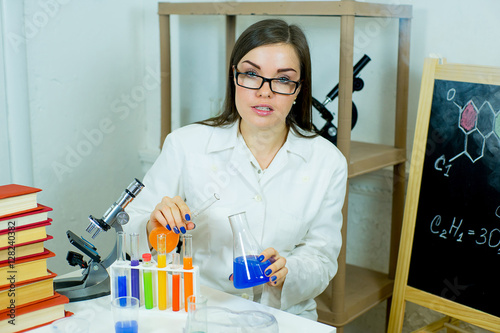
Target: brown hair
(265, 32)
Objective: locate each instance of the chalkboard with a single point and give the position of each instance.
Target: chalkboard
(456, 245)
(449, 258)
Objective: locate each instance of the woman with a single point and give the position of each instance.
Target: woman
(261, 156)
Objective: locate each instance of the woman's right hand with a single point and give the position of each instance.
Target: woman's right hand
(173, 214)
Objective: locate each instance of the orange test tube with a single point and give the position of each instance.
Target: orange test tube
(187, 248)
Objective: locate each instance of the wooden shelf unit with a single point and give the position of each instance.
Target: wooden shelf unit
(365, 289)
(345, 298)
(367, 157)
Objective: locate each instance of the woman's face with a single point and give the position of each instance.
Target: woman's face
(263, 109)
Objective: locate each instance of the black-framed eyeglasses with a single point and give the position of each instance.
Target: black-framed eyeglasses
(253, 81)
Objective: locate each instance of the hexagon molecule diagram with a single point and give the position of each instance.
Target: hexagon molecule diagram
(474, 145)
(478, 125)
(486, 119)
(468, 117)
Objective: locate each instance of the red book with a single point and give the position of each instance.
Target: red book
(24, 250)
(19, 270)
(27, 291)
(16, 198)
(34, 314)
(24, 234)
(18, 220)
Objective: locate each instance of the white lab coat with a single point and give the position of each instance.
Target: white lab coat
(293, 206)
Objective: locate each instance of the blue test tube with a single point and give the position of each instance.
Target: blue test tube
(121, 260)
(134, 257)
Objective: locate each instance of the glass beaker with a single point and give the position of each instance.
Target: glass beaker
(248, 271)
(222, 320)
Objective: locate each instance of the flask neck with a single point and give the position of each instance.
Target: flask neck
(244, 243)
(238, 223)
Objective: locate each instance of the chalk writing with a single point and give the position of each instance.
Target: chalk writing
(457, 231)
(441, 165)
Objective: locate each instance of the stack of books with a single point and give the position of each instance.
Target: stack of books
(27, 297)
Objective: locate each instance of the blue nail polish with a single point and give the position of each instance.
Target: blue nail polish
(261, 258)
(268, 272)
(188, 218)
(229, 278)
(168, 228)
(273, 278)
(194, 226)
(176, 230)
(183, 230)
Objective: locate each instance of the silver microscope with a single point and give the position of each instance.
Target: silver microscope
(94, 281)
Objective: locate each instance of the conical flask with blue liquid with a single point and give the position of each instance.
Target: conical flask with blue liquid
(248, 271)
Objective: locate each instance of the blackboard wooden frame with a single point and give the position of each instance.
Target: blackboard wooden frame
(433, 70)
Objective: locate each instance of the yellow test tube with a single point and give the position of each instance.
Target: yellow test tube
(162, 275)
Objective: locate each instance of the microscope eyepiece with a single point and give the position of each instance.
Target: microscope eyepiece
(135, 187)
(117, 211)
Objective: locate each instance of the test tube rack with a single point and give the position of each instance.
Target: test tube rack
(120, 266)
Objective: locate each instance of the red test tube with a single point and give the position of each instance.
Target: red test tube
(176, 283)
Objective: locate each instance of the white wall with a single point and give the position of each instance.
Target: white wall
(92, 74)
(17, 125)
(5, 176)
(79, 99)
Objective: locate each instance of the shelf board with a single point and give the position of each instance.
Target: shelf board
(300, 8)
(368, 157)
(364, 289)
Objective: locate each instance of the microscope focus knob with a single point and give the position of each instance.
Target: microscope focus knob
(122, 218)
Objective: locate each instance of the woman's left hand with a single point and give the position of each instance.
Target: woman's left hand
(277, 271)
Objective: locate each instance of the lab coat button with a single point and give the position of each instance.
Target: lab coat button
(258, 198)
(214, 168)
(245, 296)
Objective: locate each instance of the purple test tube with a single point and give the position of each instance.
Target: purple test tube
(134, 257)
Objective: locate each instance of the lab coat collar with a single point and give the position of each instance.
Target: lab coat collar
(297, 145)
(227, 137)
(223, 138)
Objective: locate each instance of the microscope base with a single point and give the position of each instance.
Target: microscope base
(81, 294)
(93, 283)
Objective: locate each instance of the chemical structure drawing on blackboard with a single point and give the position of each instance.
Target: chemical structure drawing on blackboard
(477, 125)
(458, 219)
(462, 129)
(450, 241)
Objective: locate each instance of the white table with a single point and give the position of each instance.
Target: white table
(98, 312)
